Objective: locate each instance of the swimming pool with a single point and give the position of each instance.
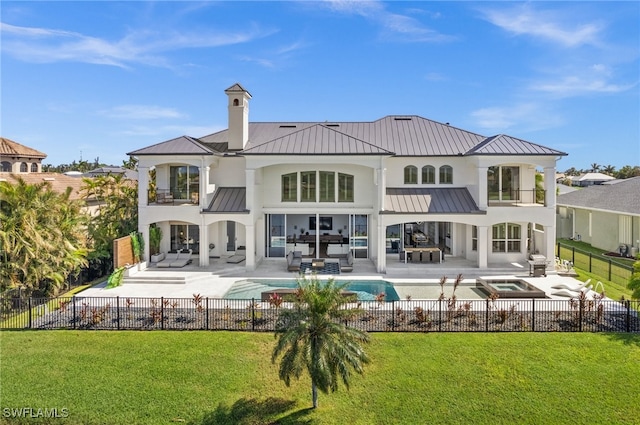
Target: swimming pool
(366, 290)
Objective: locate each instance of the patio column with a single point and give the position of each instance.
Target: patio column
(382, 245)
(550, 187)
(550, 245)
(250, 260)
(144, 229)
(250, 182)
(143, 187)
(204, 244)
(204, 184)
(483, 246)
(483, 196)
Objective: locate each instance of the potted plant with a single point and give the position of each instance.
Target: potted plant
(155, 236)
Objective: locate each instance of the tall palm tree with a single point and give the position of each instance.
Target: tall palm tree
(312, 336)
(595, 167)
(609, 170)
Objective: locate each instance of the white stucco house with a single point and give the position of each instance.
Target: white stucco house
(325, 188)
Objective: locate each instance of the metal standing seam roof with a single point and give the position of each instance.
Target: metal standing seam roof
(228, 200)
(430, 201)
(622, 197)
(507, 145)
(392, 135)
(183, 145)
(317, 139)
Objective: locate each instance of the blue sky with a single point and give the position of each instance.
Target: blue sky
(100, 79)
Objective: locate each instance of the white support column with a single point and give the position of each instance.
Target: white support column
(483, 246)
(250, 183)
(550, 187)
(144, 229)
(549, 246)
(382, 245)
(250, 261)
(483, 196)
(204, 184)
(381, 174)
(143, 187)
(204, 244)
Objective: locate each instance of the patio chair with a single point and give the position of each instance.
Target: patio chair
(573, 288)
(238, 257)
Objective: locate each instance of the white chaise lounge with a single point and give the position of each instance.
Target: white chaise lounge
(175, 259)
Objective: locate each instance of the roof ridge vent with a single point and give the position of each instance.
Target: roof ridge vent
(402, 118)
(332, 125)
(288, 126)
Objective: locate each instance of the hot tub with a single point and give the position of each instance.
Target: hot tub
(509, 288)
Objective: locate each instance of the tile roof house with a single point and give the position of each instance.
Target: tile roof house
(17, 158)
(328, 188)
(607, 216)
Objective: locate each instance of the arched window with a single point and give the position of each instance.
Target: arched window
(23, 167)
(34, 167)
(6, 166)
(428, 174)
(236, 102)
(446, 174)
(410, 174)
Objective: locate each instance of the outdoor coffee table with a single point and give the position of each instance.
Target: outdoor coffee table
(317, 263)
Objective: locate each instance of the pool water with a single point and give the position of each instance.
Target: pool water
(366, 290)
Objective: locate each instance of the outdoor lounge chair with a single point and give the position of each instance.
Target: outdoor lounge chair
(176, 259)
(346, 263)
(572, 294)
(238, 257)
(294, 261)
(573, 288)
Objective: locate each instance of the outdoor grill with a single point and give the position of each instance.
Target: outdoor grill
(537, 265)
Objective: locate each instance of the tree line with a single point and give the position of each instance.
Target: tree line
(46, 237)
(625, 172)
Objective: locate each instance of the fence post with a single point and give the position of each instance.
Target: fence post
(440, 315)
(118, 311)
(253, 314)
(590, 258)
(393, 315)
(73, 300)
(628, 303)
(533, 314)
(580, 309)
(206, 315)
(162, 313)
(558, 248)
(30, 318)
(609, 269)
(573, 255)
(486, 316)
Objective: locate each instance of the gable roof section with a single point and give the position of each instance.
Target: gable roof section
(14, 149)
(183, 145)
(507, 145)
(228, 200)
(430, 201)
(317, 139)
(621, 198)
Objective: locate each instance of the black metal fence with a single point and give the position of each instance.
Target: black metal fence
(610, 268)
(200, 313)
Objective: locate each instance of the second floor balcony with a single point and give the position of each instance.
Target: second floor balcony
(517, 197)
(172, 197)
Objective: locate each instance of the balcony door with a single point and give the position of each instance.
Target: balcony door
(503, 183)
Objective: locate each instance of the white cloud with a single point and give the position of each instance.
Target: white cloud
(394, 25)
(43, 45)
(142, 112)
(547, 25)
(595, 78)
(524, 116)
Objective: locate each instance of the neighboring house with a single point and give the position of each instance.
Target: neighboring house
(606, 216)
(590, 179)
(326, 188)
(105, 171)
(17, 158)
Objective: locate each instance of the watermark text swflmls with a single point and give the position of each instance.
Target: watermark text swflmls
(33, 412)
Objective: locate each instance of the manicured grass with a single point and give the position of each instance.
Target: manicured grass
(227, 378)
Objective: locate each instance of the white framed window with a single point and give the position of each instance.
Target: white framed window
(428, 174)
(506, 237)
(446, 174)
(410, 174)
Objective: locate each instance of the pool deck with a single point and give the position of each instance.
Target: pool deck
(417, 281)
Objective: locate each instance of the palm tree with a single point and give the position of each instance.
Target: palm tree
(42, 235)
(312, 336)
(595, 167)
(609, 170)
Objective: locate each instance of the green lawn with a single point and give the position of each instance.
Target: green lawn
(158, 377)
